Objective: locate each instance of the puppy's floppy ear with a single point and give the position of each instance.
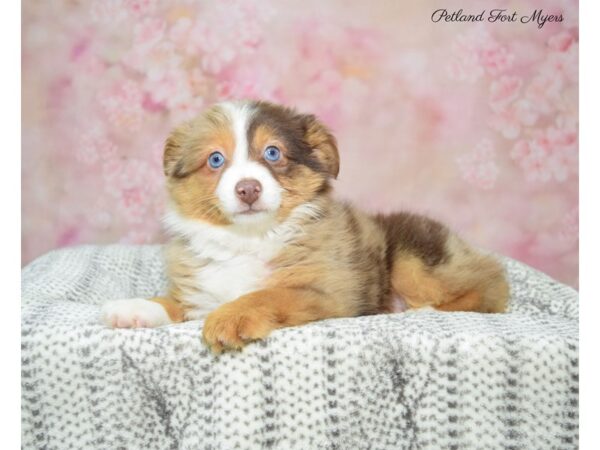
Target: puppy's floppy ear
(322, 143)
(173, 163)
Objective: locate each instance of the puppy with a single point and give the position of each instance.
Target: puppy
(258, 242)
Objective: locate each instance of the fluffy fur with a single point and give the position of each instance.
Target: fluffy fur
(295, 254)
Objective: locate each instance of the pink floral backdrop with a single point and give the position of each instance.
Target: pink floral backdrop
(473, 123)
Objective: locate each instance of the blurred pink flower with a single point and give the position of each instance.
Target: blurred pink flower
(89, 67)
(569, 230)
(563, 135)
(561, 42)
(550, 155)
(138, 8)
(503, 91)
(122, 104)
(101, 214)
(544, 90)
(541, 146)
(563, 64)
(186, 109)
(250, 87)
(156, 62)
(536, 168)
(109, 12)
(520, 150)
(526, 112)
(79, 48)
(465, 68)
(564, 159)
(335, 65)
(148, 33)
(69, 236)
(138, 235)
(507, 123)
(476, 52)
(178, 32)
(479, 167)
(495, 58)
(113, 11)
(328, 84)
(94, 146)
(172, 89)
(150, 105)
(240, 30)
(133, 184)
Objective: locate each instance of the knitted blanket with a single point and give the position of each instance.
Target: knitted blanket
(425, 380)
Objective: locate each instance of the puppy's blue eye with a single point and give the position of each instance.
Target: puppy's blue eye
(216, 160)
(272, 153)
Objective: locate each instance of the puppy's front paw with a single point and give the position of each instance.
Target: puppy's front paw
(134, 313)
(232, 326)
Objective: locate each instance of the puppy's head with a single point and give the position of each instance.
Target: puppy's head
(248, 163)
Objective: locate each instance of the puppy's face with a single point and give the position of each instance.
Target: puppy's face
(248, 163)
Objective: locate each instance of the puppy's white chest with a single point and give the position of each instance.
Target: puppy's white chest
(229, 269)
(228, 279)
(229, 263)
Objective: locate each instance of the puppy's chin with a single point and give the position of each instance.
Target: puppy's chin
(254, 221)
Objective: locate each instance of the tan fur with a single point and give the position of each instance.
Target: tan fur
(415, 284)
(181, 269)
(353, 280)
(186, 153)
(298, 189)
(262, 138)
(468, 302)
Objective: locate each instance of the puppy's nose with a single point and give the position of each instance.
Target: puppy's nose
(248, 190)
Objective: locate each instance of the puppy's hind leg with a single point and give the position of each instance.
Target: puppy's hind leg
(478, 279)
(466, 280)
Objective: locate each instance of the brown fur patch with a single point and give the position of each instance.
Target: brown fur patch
(309, 155)
(416, 235)
(308, 141)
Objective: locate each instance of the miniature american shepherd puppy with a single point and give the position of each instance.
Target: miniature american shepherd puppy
(259, 243)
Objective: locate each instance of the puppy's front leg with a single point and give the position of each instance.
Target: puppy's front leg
(255, 315)
(142, 313)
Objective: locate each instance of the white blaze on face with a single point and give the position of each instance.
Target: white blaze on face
(241, 167)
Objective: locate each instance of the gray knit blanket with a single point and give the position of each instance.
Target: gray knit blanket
(425, 380)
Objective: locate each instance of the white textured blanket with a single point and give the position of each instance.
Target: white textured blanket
(409, 380)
